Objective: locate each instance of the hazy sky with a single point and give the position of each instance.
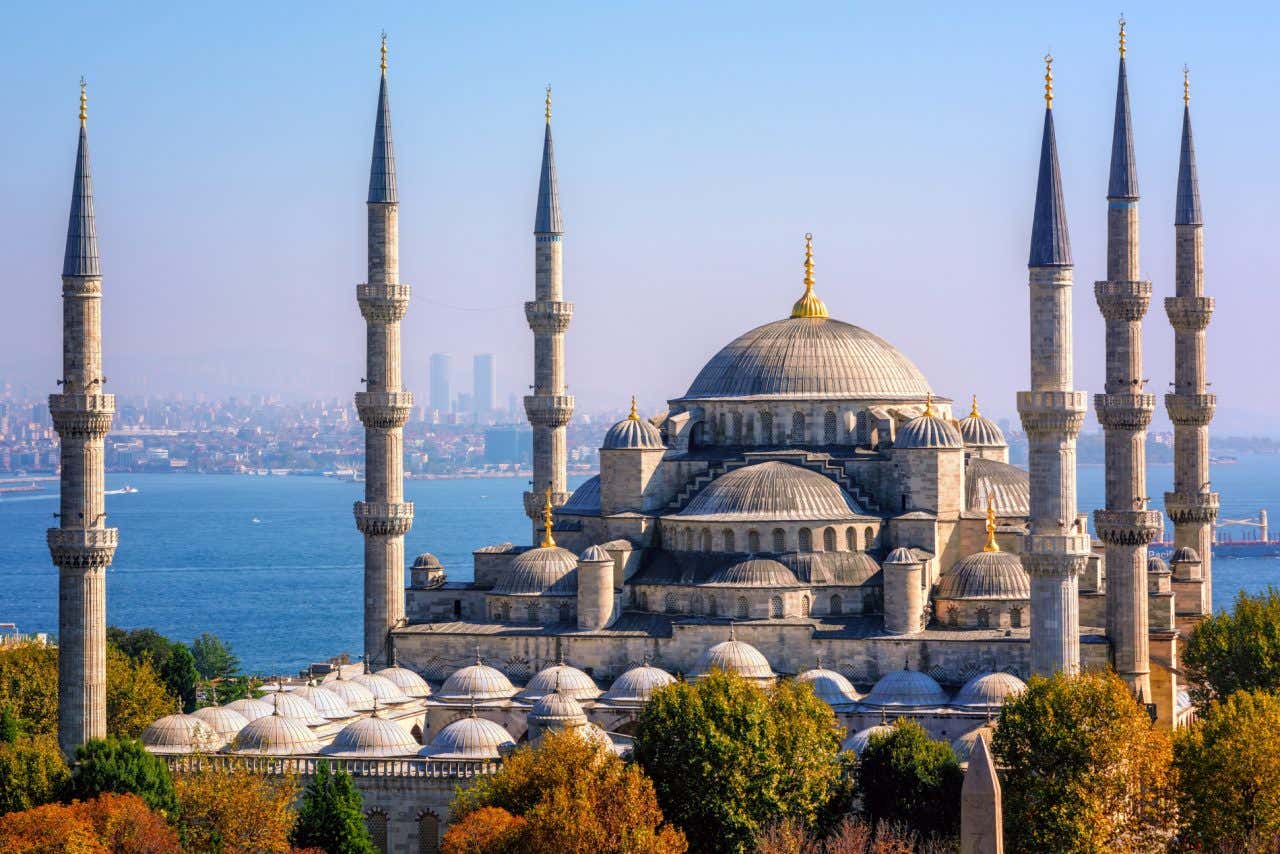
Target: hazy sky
(696, 143)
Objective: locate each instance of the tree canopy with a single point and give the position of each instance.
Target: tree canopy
(122, 766)
(181, 677)
(1236, 650)
(107, 824)
(229, 808)
(331, 817)
(906, 778)
(213, 657)
(32, 772)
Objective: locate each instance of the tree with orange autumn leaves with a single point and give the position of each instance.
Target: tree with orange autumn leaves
(106, 824)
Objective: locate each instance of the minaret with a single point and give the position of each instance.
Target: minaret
(1057, 545)
(1124, 410)
(548, 408)
(384, 517)
(82, 545)
(1192, 506)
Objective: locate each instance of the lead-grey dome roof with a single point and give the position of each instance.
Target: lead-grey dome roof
(638, 684)
(906, 689)
(988, 692)
(809, 358)
(371, 737)
(275, 735)
(1008, 486)
(734, 656)
(1186, 553)
(410, 684)
(477, 681)
(180, 734)
(469, 738)
(986, 575)
(632, 433)
(546, 571)
(928, 431)
(561, 678)
(224, 721)
(858, 742)
(829, 686)
(755, 572)
(771, 491)
(979, 431)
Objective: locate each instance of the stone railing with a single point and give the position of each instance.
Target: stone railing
(305, 766)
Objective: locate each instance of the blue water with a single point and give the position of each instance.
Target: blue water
(286, 590)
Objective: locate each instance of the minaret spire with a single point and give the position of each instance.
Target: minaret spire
(1187, 208)
(81, 256)
(1050, 242)
(382, 168)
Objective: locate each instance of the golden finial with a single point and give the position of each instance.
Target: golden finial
(384, 52)
(634, 416)
(1122, 23)
(84, 103)
(928, 406)
(1186, 86)
(1048, 81)
(992, 545)
(548, 541)
(809, 305)
(973, 411)
(548, 103)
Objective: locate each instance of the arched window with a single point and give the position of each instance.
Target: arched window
(737, 428)
(797, 428)
(953, 616)
(749, 437)
(766, 428)
(688, 539)
(720, 431)
(983, 618)
(728, 540)
(753, 541)
(851, 539)
(804, 605)
(775, 607)
(698, 436)
(713, 609)
(829, 539)
(696, 604)
(829, 428)
(506, 612)
(837, 604)
(376, 820)
(743, 609)
(1015, 618)
(533, 612)
(779, 540)
(566, 613)
(644, 601)
(870, 602)
(428, 834)
(806, 540)
(670, 605)
(869, 536)
(706, 540)
(416, 732)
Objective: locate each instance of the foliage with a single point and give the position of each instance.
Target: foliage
(213, 657)
(32, 773)
(10, 726)
(1236, 650)
(229, 808)
(29, 686)
(850, 836)
(109, 823)
(122, 765)
(331, 817)
(906, 777)
(135, 696)
(232, 688)
(573, 797)
(180, 676)
(142, 645)
(1085, 769)
(488, 830)
(728, 758)
(1228, 764)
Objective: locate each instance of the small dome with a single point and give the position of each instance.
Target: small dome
(988, 692)
(1157, 565)
(567, 680)
(858, 742)
(637, 685)
(927, 431)
(383, 689)
(771, 491)
(845, 569)
(224, 721)
(632, 433)
(250, 708)
(372, 736)
(979, 431)
(410, 684)
(275, 735)
(906, 689)
(545, 571)
(357, 697)
(830, 687)
(902, 557)
(755, 572)
(963, 746)
(328, 704)
(1185, 554)
(734, 656)
(469, 738)
(288, 705)
(427, 560)
(180, 734)
(986, 575)
(557, 710)
(595, 554)
(477, 681)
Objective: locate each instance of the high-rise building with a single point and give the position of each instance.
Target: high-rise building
(441, 364)
(484, 383)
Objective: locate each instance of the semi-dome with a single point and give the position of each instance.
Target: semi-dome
(251, 709)
(963, 746)
(477, 681)
(469, 738)
(986, 575)
(174, 734)
(979, 431)
(927, 431)
(372, 736)
(275, 735)
(357, 697)
(569, 681)
(772, 491)
(1006, 486)
(544, 571)
(637, 685)
(908, 689)
(809, 358)
(289, 705)
(383, 689)
(734, 656)
(988, 692)
(829, 686)
(410, 684)
(857, 743)
(755, 572)
(632, 433)
(328, 704)
(224, 721)
(844, 569)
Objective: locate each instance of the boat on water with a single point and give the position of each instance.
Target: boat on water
(124, 490)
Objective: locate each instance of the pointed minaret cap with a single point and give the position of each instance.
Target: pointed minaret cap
(1123, 185)
(547, 219)
(382, 169)
(1050, 243)
(81, 255)
(1187, 209)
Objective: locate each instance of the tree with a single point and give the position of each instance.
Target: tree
(331, 816)
(122, 765)
(1237, 650)
(1228, 763)
(567, 796)
(32, 772)
(10, 726)
(213, 657)
(1085, 769)
(142, 645)
(29, 686)
(135, 695)
(907, 778)
(109, 823)
(180, 676)
(728, 758)
(225, 807)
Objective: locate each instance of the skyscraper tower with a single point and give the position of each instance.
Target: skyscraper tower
(1192, 506)
(484, 384)
(1057, 544)
(548, 408)
(82, 545)
(384, 517)
(1125, 526)
(440, 394)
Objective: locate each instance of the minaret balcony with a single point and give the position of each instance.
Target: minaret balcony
(1123, 301)
(534, 502)
(82, 415)
(1199, 508)
(83, 548)
(1126, 527)
(548, 410)
(1188, 314)
(1055, 555)
(1190, 410)
(383, 303)
(1049, 412)
(1129, 412)
(384, 518)
(386, 410)
(548, 317)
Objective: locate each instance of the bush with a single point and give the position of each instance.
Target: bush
(122, 766)
(331, 817)
(904, 777)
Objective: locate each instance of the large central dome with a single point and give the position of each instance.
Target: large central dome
(809, 357)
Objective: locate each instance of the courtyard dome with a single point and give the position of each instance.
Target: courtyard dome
(857, 743)
(979, 431)
(638, 684)
(373, 736)
(569, 681)
(557, 710)
(770, 491)
(410, 684)
(478, 681)
(469, 738)
(986, 575)
(328, 704)
(275, 735)
(809, 358)
(927, 431)
(250, 708)
(734, 656)
(755, 572)
(290, 706)
(829, 686)
(382, 688)
(545, 571)
(180, 734)
(357, 697)
(632, 433)
(906, 689)
(963, 746)
(988, 692)
(224, 721)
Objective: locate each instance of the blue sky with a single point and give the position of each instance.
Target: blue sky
(696, 144)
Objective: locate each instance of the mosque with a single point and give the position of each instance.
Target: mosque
(809, 507)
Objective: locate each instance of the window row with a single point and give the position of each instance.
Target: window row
(727, 540)
(762, 428)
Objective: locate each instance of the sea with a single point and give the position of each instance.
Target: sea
(272, 564)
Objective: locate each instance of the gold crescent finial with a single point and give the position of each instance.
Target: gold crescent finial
(384, 52)
(548, 541)
(928, 405)
(1048, 81)
(992, 545)
(1122, 24)
(84, 103)
(809, 305)
(634, 416)
(973, 412)
(548, 103)
(1186, 86)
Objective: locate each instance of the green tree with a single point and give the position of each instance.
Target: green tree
(214, 658)
(10, 726)
(906, 778)
(31, 773)
(1228, 765)
(121, 765)
(141, 645)
(331, 817)
(1085, 769)
(1236, 650)
(29, 686)
(181, 676)
(135, 695)
(729, 759)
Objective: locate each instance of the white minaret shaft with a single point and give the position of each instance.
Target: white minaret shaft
(82, 545)
(384, 517)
